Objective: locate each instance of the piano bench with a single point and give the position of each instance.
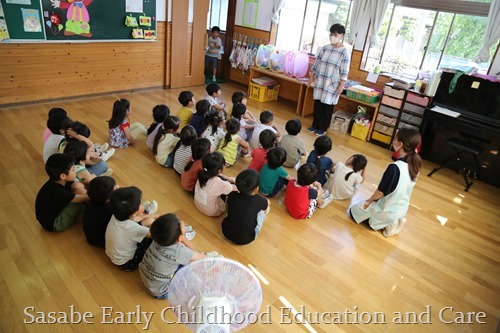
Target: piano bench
(462, 147)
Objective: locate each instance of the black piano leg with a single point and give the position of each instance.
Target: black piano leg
(445, 163)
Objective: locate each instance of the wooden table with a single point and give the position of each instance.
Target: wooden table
(290, 88)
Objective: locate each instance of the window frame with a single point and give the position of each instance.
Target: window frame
(318, 12)
(209, 16)
(455, 7)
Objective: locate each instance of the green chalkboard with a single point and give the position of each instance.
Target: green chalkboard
(23, 19)
(83, 20)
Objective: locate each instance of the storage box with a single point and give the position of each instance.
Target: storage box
(410, 118)
(262, 93)
(386, 119)
(388, 111)
(341, 121)
(361, 95)
(395, 103)
(360, 131)
(381, 137)
(417, 99)
(390, 91)
(383, 128)
(414, 108)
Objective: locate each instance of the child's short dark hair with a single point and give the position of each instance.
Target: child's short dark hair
(124, 202)
(55, 111)
(77, 149)
(338, 28)
(212, 88)
(166, 229)
(266, 117)
(238, 96)
(202, 106)
(58, 164)
(100, 189)
(58, 122)
(247, 181)
(79, 128)
(293, 126)
(239, 110)
(188, 135)
(185, 97)
(276, 157)
(322, 145)
(215, 29)
(267, 139)
(307, 174)
(160, 113)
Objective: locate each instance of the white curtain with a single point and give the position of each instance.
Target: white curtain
(377, 13)
(360, 12)
(278, 5)
(492, 32)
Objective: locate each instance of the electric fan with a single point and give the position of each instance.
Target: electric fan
(215, 295)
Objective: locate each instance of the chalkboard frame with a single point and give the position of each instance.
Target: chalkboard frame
(106, 24)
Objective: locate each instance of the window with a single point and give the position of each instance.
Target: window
(413, 38)
(217, 14)
(304, 24)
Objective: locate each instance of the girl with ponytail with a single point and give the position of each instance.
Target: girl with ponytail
(386, 208)
(165, 141)
(346, 177)
(212, 185)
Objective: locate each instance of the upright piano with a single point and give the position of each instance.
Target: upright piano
(477, 100)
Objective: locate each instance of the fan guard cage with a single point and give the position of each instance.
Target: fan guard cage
(216, 277)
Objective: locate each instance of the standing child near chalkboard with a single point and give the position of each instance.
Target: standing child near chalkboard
(213, 51)
(121, 132)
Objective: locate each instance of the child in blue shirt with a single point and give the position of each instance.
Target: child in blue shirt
(322, 146)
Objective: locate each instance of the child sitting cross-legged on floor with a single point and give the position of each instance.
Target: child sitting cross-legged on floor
(304, 194)
(267, 140)
(60, 200)
(246, 210)
(169, 251)
(127, 234)
(273, 176)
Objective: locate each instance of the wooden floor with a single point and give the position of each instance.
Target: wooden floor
(444, 261)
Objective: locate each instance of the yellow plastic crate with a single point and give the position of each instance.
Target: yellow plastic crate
(381, 137)
(262, 93)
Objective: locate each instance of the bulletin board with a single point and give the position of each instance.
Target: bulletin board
(78, 20)
(255, 14)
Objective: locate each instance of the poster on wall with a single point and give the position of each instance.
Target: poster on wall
(31, 20)
(255, 14)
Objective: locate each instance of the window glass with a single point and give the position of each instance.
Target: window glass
(217, 14)
(305, 24)
(310, 25)
(412, 39)
(290, 26)
(375, 52)
(465, 40)
(437, 41)
(329, 14)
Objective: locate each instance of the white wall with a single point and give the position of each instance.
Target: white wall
(161, 10)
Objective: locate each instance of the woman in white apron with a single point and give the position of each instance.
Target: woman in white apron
(386, 208)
